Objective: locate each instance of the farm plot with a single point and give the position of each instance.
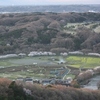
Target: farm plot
(83, 61)
(42, 60)
(44, 67)
(33, 71)
(36, 67)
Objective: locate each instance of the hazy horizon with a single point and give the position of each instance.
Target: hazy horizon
(48, 2)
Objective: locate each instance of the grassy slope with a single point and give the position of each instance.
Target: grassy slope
(72, 27)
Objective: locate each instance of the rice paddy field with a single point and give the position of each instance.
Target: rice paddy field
(35, 67)
(44, 66)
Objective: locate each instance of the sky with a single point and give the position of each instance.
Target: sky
(47, 2)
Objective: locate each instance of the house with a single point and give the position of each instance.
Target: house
(20, 80)
(36, 81)
(69, 79)
(28, 80)
(46, 81)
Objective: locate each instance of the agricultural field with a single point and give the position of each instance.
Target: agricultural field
(26, 61)
(45, 66)
(83, 61)
(35, 67)
(73, 27)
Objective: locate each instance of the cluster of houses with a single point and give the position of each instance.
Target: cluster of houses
(45, 82)
(40, 53)
(59, 73)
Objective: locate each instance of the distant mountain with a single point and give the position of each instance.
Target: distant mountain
(51, 8)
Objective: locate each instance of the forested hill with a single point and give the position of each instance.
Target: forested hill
(56, 32)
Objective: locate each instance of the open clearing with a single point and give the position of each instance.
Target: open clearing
(73, 27)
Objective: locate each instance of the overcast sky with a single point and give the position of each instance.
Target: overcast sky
(47, 2)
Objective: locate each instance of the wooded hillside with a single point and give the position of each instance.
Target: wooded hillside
(25, 32)
(12, 91)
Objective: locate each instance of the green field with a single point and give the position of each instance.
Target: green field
(83, 61)
(74, 61)
(35, 67)
(25, 67)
